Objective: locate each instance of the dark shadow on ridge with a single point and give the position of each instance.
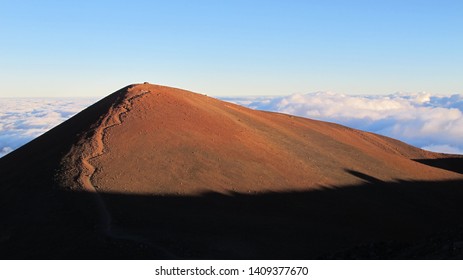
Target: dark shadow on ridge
(454, 164)
(365, 177)
(400, 220)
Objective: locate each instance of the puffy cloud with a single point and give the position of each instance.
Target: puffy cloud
(5, 150)
(428, 121)
(22, 120)
(444, 149)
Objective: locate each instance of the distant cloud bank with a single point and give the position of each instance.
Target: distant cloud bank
(22, 120)
(427, 121)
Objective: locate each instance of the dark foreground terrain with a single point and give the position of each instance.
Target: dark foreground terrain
(404, 220)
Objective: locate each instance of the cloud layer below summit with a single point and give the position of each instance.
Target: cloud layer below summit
(22, 119)
(427, 121)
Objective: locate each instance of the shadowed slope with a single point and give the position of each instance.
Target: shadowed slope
(400, 220)
(454, 164)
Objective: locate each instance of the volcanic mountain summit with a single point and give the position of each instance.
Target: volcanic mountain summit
(159, 140)
(158, 172)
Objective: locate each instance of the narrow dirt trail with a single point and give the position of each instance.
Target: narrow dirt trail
(113, 118)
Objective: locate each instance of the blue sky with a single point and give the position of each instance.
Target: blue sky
(91, 48)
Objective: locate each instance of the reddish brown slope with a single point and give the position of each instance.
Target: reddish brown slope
(162, 140)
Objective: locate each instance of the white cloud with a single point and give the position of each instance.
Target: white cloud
(444, 149)
(421, 119)
(22, 120)
(5, 150)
